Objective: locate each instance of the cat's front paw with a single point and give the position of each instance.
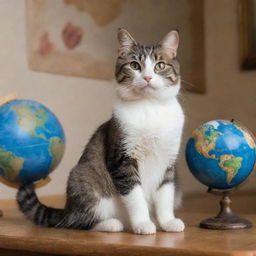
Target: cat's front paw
(144, 228)
(174, 225)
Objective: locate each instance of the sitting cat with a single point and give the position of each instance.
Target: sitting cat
(125, 178)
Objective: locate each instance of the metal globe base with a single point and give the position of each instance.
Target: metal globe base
(226, 218)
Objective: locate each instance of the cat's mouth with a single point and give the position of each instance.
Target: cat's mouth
(147, 87)
(147, 90)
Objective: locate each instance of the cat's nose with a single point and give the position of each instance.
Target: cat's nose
(147, 78)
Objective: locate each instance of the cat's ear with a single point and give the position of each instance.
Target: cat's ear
(126, 42)
(170, 43)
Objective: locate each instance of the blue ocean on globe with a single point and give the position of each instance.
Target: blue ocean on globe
(32, 141)
(221, 154)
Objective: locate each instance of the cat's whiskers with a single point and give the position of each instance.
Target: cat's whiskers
(187, 83)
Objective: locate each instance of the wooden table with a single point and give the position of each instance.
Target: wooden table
(18, 236)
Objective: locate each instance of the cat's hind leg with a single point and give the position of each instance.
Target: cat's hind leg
(109, 225)
(90, 203)
(106, 211)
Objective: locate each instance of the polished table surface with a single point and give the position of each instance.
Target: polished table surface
(19, 236)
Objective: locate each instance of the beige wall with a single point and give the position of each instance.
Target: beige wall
(230, 92)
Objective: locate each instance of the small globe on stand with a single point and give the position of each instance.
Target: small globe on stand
(32, 142)
(221, 154)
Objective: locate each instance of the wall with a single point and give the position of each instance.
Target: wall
(230, 92)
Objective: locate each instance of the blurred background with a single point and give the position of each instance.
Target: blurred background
(212, 64)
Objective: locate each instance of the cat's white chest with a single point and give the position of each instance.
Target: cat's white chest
(152, 137)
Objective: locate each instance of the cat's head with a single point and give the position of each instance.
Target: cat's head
(147, 71)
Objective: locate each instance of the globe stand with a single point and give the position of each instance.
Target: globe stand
(226, 218)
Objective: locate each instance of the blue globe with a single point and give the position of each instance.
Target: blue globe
(32, 141)
(221, 154)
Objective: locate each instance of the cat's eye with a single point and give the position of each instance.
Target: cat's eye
(135, 65)
(160, 66)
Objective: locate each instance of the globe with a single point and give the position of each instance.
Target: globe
(221, 154)
(32, 141)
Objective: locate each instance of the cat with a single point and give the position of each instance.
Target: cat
(126, 178)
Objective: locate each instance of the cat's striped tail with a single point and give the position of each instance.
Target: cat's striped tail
(34, 210)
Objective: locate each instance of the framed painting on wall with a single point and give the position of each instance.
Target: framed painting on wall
(78, 37)
(247, 20)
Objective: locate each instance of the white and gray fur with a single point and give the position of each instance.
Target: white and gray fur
(126, 177)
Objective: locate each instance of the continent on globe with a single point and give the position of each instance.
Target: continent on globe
(205, 142)
(31, 118)
(231, 165)
(10, 164)
(248, 135)
(56, 150)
